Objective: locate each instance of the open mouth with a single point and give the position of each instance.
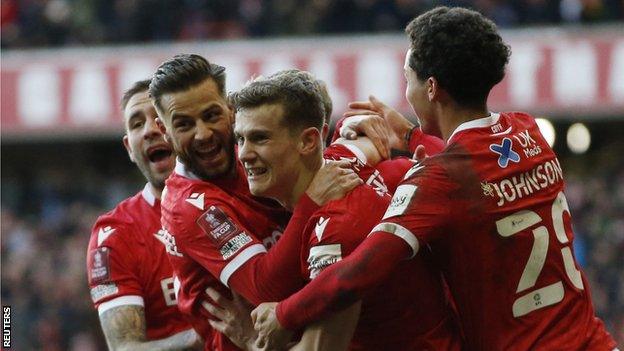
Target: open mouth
(158, 153)
(254, 172)
(209, 153)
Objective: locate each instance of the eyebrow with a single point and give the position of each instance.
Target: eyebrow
(135, 115)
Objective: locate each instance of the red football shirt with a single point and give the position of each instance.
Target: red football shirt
(389, 318)
(492, 210)
(127, 265)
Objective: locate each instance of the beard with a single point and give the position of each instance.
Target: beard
(224, 168)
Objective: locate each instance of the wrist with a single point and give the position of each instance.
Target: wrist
(306, 204)
(281, 317)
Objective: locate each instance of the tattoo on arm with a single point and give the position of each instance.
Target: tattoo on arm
(123, 324)
(125, 330)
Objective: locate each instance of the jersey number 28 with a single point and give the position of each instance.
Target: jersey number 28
(553, 293)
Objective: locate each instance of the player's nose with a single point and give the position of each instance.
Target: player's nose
(202, 131)
(151, 129)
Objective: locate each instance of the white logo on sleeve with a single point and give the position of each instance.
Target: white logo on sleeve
(321, 257)
(401, 199)
(320, 227)
(104, 233)
(197, 200)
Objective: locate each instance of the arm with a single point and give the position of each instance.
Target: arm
(124, 329)
(337, 287)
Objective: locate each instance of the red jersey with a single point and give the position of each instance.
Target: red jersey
(214, 228)
(389, 317)
(127, 265)
(492, 210)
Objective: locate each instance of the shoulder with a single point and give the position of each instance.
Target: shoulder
(116, 225)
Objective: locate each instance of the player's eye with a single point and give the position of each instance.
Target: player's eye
(137, 123)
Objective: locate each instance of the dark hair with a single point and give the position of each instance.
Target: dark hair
(182, 72)
(461, 49)
(137, 87)
(299, 98)
(328, 105)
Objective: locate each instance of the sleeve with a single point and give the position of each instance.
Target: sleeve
(231, 252)
(112, 268)
(359, 164)
(433, 145)
(343, 283)
(336, 134)
(331, 238)
(419, 207)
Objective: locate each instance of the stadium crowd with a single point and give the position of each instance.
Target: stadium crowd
(46, 23)
(43, 247)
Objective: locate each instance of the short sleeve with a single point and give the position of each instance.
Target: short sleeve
(420, 208)
(112, 268)
(218, 241)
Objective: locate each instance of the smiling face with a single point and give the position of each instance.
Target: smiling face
(269, 151)
(198, 122)
(144, 141)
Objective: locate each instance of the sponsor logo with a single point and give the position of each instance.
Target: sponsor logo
(321, 257)
(100, 272)
(505, 152)
(217, 225)
(104, 233)
(525, 184)
(401, 200)
(197, 200)
(528, 144)
(234, 244)
(320, 227)
(101, 291)
(169, 241)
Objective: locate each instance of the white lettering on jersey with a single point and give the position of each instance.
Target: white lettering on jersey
(197, 200)
(168, 287)
(377, 182)
(233, 245)
(524, 184)
(401, 199)
(104, 233)
(101, 291)
(321, 257)
(320, 227)
(528, 144)
(169, 241)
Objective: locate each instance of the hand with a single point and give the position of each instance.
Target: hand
(332, 181)
(271, 335)
(397, 123)
(370, 124)
(234, 320)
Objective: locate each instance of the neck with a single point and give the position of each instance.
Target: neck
(451, 116)
(305, 177)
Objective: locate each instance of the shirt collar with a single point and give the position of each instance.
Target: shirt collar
(147, 194)
(490, 120)
(182, 170)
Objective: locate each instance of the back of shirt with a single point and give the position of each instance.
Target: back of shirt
(493, 211)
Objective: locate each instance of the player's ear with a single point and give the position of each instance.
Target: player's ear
(310, 140)
(126, 144)
(433, 89)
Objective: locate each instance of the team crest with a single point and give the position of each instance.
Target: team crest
(505, 152)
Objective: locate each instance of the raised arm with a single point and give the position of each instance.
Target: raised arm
(124, 328)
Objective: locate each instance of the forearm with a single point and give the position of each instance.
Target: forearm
(125, 329)
(333, 333)
(181, 341)
(275, 275)
(345, 282)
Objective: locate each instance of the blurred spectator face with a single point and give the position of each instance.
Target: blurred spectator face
(144, 141)
(416, 94)
(198, 123)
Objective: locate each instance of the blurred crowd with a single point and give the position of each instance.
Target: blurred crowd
(44, 23)
(46, 222)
